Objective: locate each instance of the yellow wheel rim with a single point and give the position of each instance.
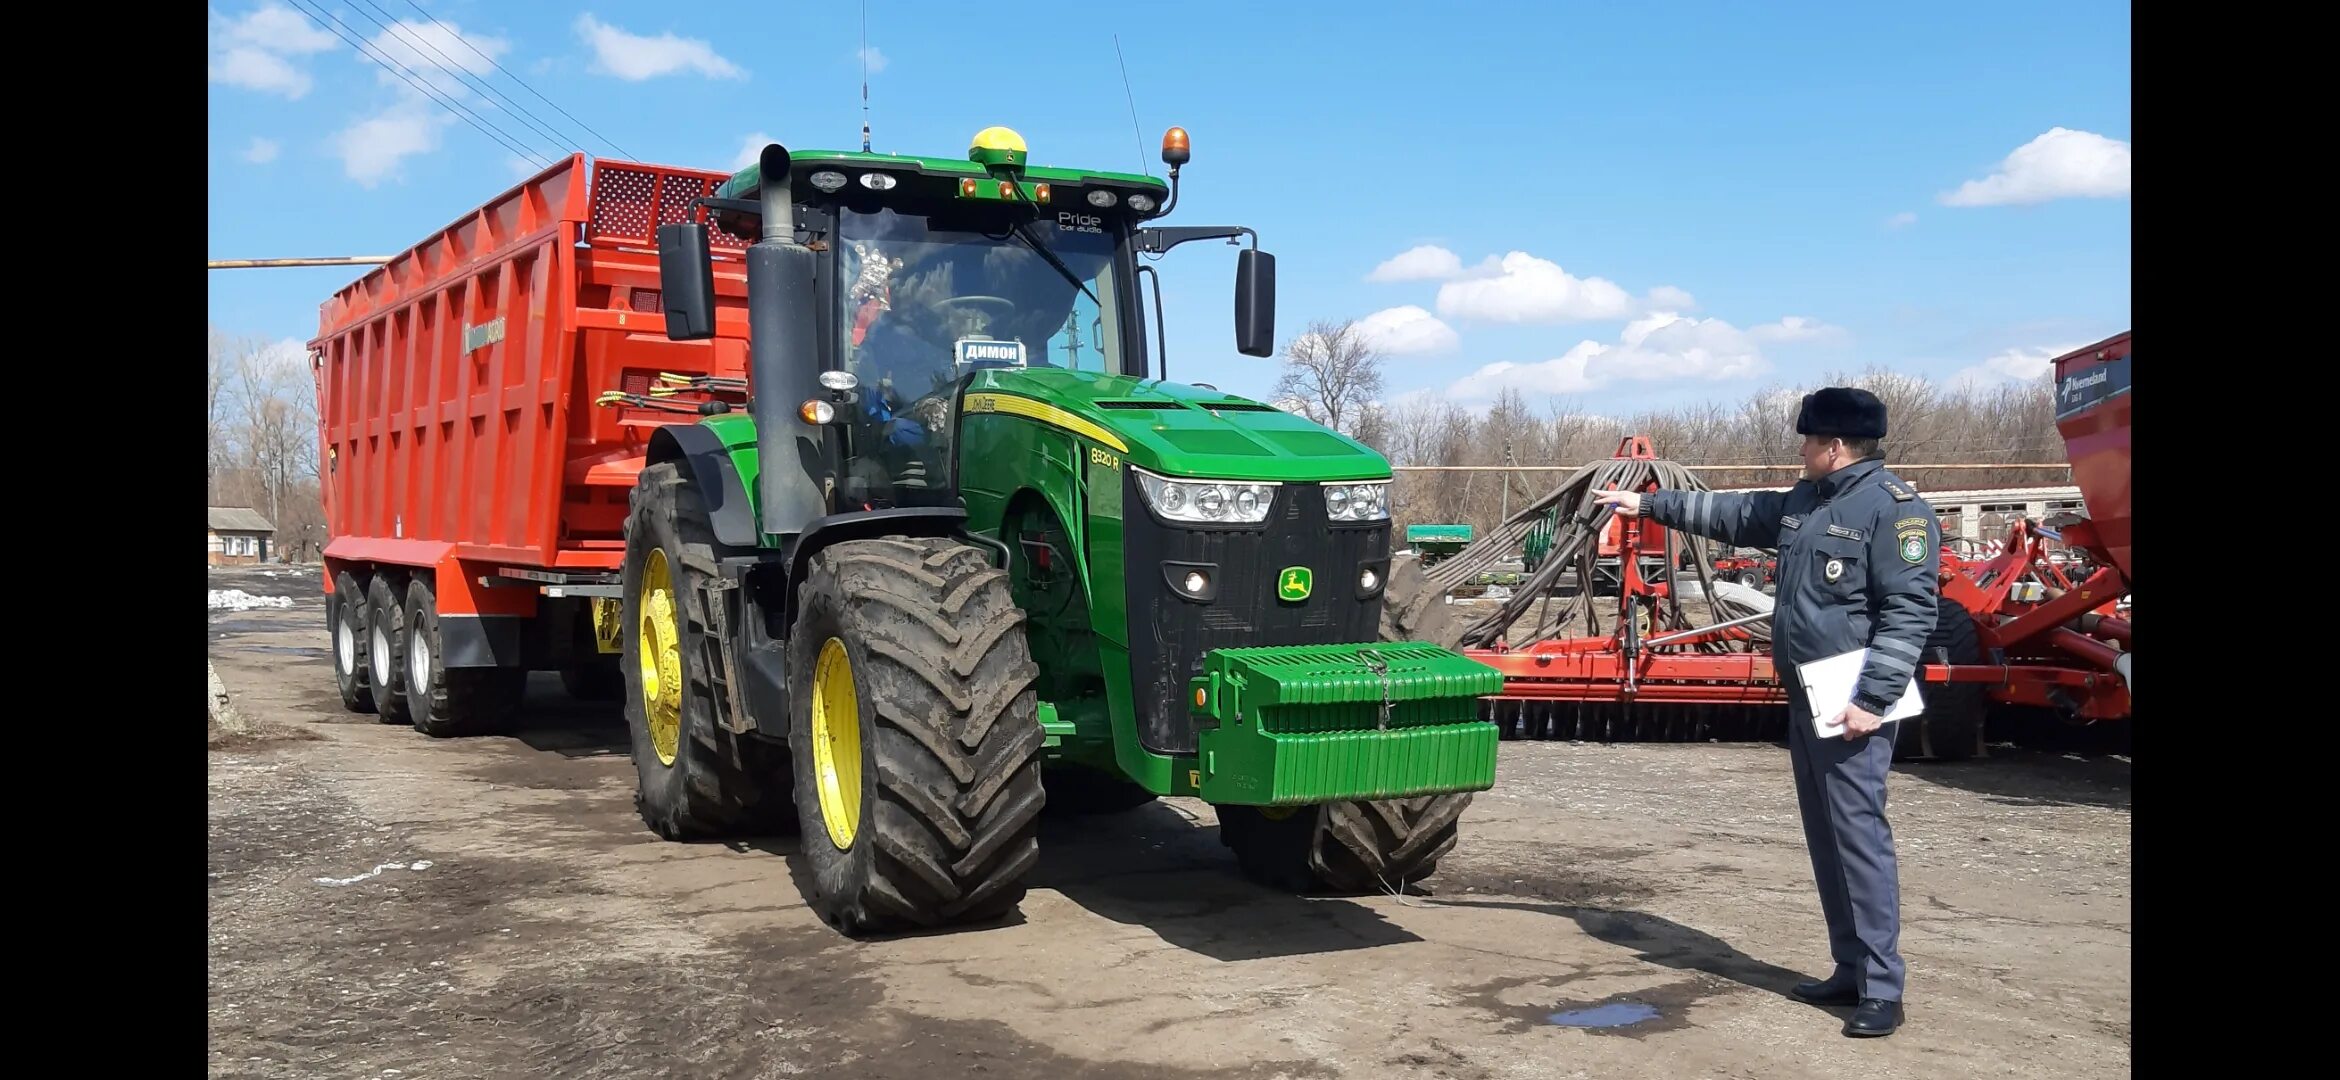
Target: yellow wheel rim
(658, 647)
(836, 743)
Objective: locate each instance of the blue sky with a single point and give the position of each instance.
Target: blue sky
(1616, 206)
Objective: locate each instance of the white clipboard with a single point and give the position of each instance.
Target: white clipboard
(1829, 684)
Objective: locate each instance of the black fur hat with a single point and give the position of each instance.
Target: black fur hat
(1843, 412)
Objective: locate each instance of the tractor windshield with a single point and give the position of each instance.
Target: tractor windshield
(926, 302)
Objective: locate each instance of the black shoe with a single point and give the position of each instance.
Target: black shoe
(1836, 990)
(1875, 1017)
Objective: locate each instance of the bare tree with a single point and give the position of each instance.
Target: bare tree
(1332, 371)
(262, 434)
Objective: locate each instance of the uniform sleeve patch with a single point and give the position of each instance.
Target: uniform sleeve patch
(1790, 521)
(1912, 523)
(1913, 544)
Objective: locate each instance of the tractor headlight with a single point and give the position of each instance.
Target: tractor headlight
(1357, 502)
(1207, 502)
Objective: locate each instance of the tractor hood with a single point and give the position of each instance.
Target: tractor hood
(1185, 431)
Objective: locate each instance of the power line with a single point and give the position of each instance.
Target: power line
(400, 29)
(523, 83)
(501, 137)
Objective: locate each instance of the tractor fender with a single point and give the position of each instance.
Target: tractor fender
(703, 453)
(866, 525)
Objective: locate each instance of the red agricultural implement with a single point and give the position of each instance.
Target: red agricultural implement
(2016, 629)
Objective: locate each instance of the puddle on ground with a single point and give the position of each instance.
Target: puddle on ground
(1614, 1014)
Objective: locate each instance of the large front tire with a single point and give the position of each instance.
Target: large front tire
(695, 778)
(1413, 610)
(915, 734)
(1344, 847)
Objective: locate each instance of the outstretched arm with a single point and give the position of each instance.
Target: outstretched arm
(1738, 518)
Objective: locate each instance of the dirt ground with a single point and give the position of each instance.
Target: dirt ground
(388, 905)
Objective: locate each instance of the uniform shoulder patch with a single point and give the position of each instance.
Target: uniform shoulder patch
(1911, 539)
(1900, 493)
(1790, 521)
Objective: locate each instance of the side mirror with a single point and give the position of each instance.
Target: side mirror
(686, 281)
(1255, 303)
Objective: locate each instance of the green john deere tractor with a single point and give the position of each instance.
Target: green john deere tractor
(968, 552)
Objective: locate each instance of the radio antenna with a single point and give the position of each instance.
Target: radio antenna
(865, 76)
(1133, 120)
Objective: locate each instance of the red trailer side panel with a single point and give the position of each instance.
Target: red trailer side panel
(456, 383)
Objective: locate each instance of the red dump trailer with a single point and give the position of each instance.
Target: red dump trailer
(484, 403)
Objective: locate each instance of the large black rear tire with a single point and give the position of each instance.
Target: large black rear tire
(915, 735)
(1344, 847)
(1951, 728)
(695, 778)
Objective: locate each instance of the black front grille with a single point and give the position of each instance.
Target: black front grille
(1168, 636)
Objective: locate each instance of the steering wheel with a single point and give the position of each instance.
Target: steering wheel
(998, 305)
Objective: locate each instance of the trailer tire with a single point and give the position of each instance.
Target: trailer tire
(386, 638)
(1751, 579)
(1951, 728)
(345, 618)
(915, 735)
(443, 703)
(1351, 848)
(695, 779)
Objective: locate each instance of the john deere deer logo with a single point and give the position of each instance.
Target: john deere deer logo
(1295, 583)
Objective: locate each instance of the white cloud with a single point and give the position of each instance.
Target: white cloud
(521, 168)
(1521, 288)
(750, 150)
(634, 58)
(2062, 164)
(1670, 298)
(257, 51)
(1901, 220)
(1428, 262)
(1796, 328)
(372, 149)
(2012, 366)
(1660, 347)
(1406, 330)
(872, 56)
(262, 151)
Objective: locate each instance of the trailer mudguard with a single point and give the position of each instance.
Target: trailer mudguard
(703, 452)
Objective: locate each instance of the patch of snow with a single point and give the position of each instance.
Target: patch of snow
(239, 600)
(337, 882)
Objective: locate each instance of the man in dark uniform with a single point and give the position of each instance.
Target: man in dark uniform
(1858, 554)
